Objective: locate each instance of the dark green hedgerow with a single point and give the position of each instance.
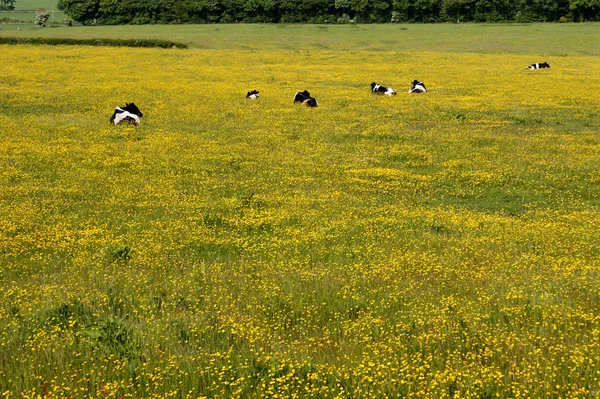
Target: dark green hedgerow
(94, 42)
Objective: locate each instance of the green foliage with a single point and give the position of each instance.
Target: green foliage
(341, 11)
(117, 253)
(583, 10)
(7, 5)
(93, 42)
(109, 333)
(112, 336)
(84, 11)
(73, 315)
(10, 20)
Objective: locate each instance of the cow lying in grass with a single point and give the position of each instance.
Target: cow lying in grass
(130, 113)
(379, 89)
(305, 98)
(252, 95)
(417, 87)
(538, 65)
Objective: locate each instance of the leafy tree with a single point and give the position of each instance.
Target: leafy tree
(213, 11)
(7, 5)
(493, 10)
(585, 10)
(457, 10)
(418, 10)
(112, 12)
(259, 10)
(84, 11)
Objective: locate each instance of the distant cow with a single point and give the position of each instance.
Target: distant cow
(539, 65)
(305, 98)
(379, 89)
(252, 95)
(417, 87)
(130, 113)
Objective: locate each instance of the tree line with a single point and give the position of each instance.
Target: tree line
(115, 12)
(7, 5)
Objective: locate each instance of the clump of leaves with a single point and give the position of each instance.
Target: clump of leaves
(112, 335)
(41, 17)
(118, 253)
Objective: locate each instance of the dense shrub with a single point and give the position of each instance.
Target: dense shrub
(41, 17)
(93, 42)
(363, 11)
(7, 5)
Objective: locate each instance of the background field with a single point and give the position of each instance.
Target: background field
(532, 39)
(35, 4)
(30, 6)
(23, 20)
(437, 245)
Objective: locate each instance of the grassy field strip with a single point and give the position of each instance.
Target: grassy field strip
(436, 245)
(27, 16)
(35, 4)
(543, 40)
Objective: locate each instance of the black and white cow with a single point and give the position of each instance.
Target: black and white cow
(252, 95)
(539, 65)
(379, 89)
(305, 98)
(417, 87)
(130, 113)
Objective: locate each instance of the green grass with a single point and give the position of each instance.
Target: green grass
(539, 39)
(26, 17)
(25, 10)
(35, 5)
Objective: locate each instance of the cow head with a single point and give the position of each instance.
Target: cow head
(311, 102)
(133, 109)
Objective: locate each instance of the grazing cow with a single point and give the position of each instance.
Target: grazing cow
(379, 89)
(252, 95)
(305, 98)
(538, 65)
(130, 113)
(417, 87)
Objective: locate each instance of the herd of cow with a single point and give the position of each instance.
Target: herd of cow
(132, 114)
(304, 97)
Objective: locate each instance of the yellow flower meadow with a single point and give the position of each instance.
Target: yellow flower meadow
(443, 245)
